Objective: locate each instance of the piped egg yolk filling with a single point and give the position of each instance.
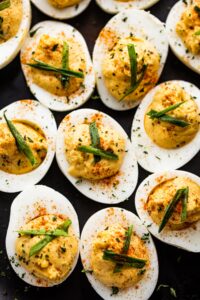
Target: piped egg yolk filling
(10, 19)
(14, 161)
(112, 238)
(162, 195)
(117, 68)
(63, 3)
(83, 165)
(188, 28)
(166, 134)
(50, 51)
(55, 260)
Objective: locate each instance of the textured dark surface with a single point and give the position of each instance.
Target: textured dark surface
(178, 269)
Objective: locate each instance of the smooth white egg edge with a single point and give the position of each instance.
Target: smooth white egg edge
(97, 223)
(128, 178)
(187, 239)
(10, 48)
(59, 103)
(113, 7)
(63, 13)
(160, 159)
(33, 111)
(135, 17)
(22, 207)
(190, 60)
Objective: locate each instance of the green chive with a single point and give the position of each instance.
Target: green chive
(95, 138)
(4, 4)
(155, 114)
(65, 63)
(56, 232)
(133, 63)
(197, 32)
(33, 32)
(124, 260)
(197, 9)
(105, 154)
(20, 142)
(170, 208)
(174, 121)
(42, 243)
(184, 205)
(43, 66)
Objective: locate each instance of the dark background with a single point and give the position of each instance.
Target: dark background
(178, 269)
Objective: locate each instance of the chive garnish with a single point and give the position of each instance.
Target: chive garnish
(46, 67)
(133, 66)
(95, 138)
(126, 246)
(65, 63)
(180, 194)
(56, 232)
(4, 4)
(124, 259)
(105, 154)
(33, 32)
(20, 142)
(163, 116)
(48, 238)
(184, 205)
(197, 9)
(197, 32)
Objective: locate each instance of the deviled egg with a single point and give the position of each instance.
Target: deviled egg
(165, 130)
(118, 255)
(57, 66)
(15, 18)
(169, 205)
(115, 6)
(129, 56)
(96, 155)
(61, 9)
(27, 144)
(42, 240)
(183, 29)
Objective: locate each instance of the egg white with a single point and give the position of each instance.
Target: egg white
(58, 103)
(128, 176)
(63, 13)
(24, 208)
(143, 25)
(36, 113)
(187, 239)
(149, 155)
(190, 60)
(10, 48)
(97, 223)
(113, 7)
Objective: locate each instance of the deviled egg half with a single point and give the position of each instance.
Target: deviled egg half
(15, 18)
(118, 255)
(115, 6)
(27, 144)
(129, 56)
(61, 9)
(42, 240)
(183, 29)
(165, 130)
(96, 155)
(57, 66)
(168, 203)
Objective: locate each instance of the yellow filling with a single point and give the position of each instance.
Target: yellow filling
(162, 195)
(49, 51)
(11, 159)
(188, 28)
(113, 239)
(10, 19)
(63, 3)
(167, 135)
(55, 260)
(117, 72)
(82, 164)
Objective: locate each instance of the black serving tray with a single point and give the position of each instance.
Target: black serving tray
(178, 269)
